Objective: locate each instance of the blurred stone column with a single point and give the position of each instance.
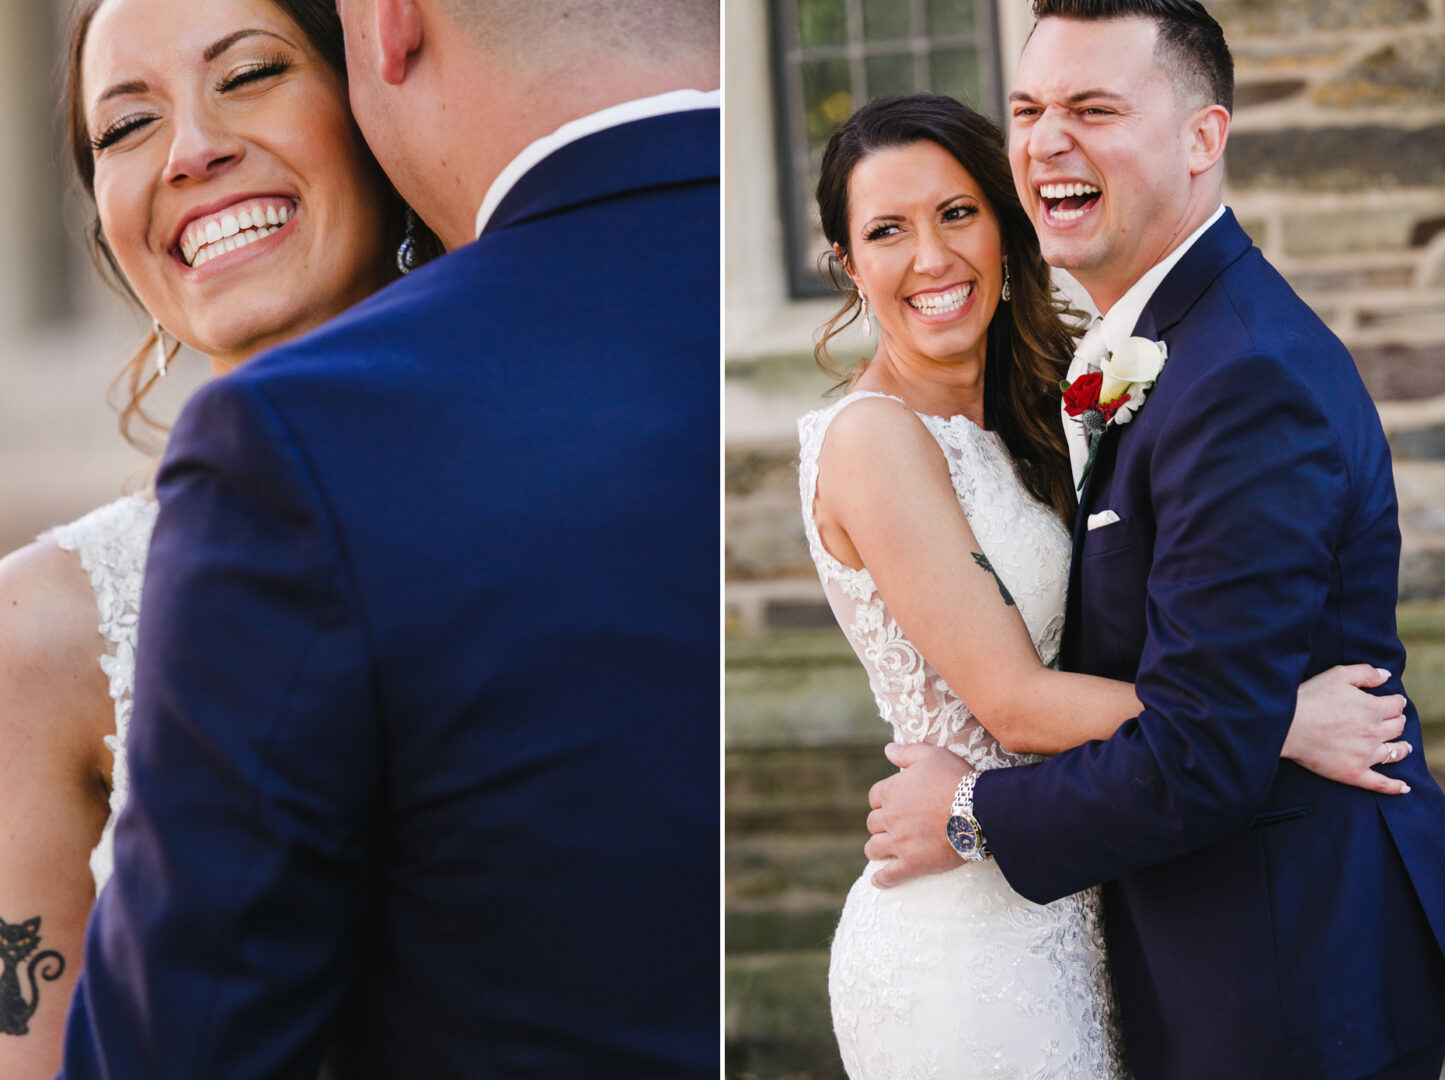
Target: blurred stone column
(33, 266)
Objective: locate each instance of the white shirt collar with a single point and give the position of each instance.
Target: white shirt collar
(1119, 323)
(614, 115)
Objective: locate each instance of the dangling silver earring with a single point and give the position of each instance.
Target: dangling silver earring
(162, 352)
(1008, 292)
(406, 253)
(867, 324)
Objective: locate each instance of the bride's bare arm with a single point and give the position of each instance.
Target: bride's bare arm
(885, 502)
(55, 708)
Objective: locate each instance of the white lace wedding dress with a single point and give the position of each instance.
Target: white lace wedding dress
(955, 976)
(112, 542)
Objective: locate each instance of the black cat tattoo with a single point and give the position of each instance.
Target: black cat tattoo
(17, 941)
(984, 564)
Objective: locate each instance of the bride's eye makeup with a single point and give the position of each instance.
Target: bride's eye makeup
(119, 129)
(880, 231)
(254, 71)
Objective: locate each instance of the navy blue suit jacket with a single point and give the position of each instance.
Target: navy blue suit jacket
(1262, 922)
(424, 758)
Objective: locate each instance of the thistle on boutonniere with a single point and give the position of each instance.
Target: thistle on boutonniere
(1111, 393)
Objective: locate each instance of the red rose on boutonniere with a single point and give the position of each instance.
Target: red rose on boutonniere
(1082, 394)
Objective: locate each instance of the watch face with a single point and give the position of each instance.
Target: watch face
(963, 835)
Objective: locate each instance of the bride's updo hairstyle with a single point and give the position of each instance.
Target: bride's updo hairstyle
(1029, 344)
(318, 20)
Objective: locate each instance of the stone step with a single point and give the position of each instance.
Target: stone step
(795, 791)
(776, 1021)
(784, 891)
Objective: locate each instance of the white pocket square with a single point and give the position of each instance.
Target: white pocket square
(1102, 518)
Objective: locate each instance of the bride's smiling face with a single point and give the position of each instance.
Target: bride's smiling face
(231, 184)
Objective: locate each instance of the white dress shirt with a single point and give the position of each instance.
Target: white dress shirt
(613, 116)
(1108, 331)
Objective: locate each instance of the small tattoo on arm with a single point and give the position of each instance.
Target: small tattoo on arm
(17, 942)
(984, 564)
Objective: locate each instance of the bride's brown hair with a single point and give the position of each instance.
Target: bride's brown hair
(1029, 342)
(319, 21)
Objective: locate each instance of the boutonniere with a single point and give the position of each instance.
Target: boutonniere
(1111, 393)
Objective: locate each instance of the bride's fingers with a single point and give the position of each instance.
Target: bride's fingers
(1390, 728)
(1391, 752)
(1363, 674)
(875, 822)
(1372, 780)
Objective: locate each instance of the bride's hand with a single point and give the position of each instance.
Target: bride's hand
(910, 812)
(1341, 732)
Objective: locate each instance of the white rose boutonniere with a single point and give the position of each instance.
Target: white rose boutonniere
(1128, 373)
(1112, 393)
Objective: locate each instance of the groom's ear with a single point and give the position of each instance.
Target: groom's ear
(1208, 132)
(398, 36)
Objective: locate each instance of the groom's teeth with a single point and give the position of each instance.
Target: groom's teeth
(1064, 191)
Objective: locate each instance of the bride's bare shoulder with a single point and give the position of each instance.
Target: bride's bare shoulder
(51, 683)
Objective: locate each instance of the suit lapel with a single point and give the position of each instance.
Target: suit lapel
(1224, 243)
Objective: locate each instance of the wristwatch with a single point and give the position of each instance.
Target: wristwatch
(964, 834)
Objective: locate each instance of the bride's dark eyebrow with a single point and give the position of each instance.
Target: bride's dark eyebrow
(216, 49)
(139, 86)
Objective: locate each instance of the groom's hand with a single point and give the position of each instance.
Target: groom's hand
(910, 814)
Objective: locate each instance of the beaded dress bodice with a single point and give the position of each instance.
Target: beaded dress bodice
(112, 542)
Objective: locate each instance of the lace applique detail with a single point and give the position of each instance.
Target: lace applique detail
(1025, 543)
(112, 542)
(955, 976)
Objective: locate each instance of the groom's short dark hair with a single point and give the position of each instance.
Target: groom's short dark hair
(1191, 44)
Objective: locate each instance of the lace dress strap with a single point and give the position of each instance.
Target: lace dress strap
(112, 542)
(812, 428)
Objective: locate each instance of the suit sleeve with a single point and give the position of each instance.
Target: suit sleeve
(220, 946)
(1248, 487)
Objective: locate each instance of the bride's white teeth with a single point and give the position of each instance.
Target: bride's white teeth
(234, 228)
(938, 303)
(207, 252)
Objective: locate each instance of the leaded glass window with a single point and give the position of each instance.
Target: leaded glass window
(833, 55)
